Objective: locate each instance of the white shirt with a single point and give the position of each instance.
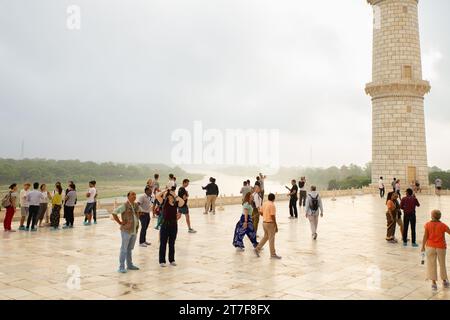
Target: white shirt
(23, 198)
(438, 183)
(34, 198)
(44, 197)
(257, 199)
(381, 184)
(92, 192)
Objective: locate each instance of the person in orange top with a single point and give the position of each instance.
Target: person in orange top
(435, 246)
(270, 227)
(391, 216)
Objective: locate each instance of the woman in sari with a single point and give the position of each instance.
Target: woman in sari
(245, 225)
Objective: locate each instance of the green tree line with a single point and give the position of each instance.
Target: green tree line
(18, 171)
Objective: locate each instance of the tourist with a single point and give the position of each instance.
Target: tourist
(34, 199)
(293, 200)
(129, 226)
(69, 183)
(172, 182)
(145, 202)
(212, 192)
(393, 183)
(398, 188)
(417, 188)
(393, 207)
(313, 206)
(438, 186)
(24, 206)
(261, 179)
(9, 202)
(184, 210)
(89, 209)
(256, 206)
(381, 187)
(57, 201)
(43, 206)
(69, 205)
(409, 204)
(270, 227)
(303, 193)
(169, 225)
(156, 190)
(245, 189)
(435, 246)
(245, 225)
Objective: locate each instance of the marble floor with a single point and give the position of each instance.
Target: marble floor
(350, 260)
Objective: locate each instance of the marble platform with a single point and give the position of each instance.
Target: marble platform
(350, 260)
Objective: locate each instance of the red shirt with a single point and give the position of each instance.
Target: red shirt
(436, 234)
(409, 204)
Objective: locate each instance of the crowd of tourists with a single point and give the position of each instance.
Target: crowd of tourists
(433, 245)
(40, 207)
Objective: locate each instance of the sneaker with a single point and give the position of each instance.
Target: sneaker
(33, 229)
(446, 284)
(315, 236)
(143, 245)
(85, 223)
(276, 257)
(405, 244)
(173, 264)
(147, 243)
(122, 270)
(22, 228)
(434, 287)
(256, 252)
(205, 212)
(415, 245)
(192, 231)
(133, 268)
(95, 222)
(27, 229)
(162, 265)
(239, 249)
(71, 226)
(291, 218)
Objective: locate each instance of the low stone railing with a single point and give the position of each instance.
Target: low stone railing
(224, 200)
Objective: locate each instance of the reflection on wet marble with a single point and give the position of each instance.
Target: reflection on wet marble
(350, 260)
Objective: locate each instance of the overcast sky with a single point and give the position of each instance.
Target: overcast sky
(140, 69)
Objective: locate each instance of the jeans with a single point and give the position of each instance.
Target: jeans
(382, 192)
(293, 207)
(409, 219)
(145, 221)
(128, 242)
(167, 234)
(32, 216)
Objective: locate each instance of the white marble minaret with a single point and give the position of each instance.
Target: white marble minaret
(397, 90)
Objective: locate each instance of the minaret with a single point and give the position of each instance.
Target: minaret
(397, 90)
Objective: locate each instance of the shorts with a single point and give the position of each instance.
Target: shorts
(89, 208)
(183, 210)
(24, 211)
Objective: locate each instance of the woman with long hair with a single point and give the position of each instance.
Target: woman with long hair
(43, 206)
(57, 201)
(245, 225)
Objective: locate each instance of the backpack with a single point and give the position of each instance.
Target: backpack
(314, 205)
(6, 201)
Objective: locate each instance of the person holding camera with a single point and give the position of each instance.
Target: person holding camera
(169, 224)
